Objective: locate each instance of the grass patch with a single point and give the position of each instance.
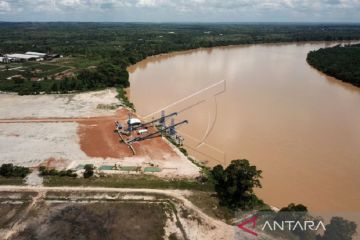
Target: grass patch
(11, 181)
(122, 97)
(209, 204)
(80, 62)
(126, 181)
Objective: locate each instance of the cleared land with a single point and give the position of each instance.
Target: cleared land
(94, 213)
(64, 131)
(96, 221)
(32, 70)
(13, 106)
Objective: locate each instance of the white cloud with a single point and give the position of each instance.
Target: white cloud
(4, 6)
(222, 8)
(179, 4)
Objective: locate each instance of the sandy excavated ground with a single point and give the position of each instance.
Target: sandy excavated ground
(57, 106)
(29, 144)
(65, 131)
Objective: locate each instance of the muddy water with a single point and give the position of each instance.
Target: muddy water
(299, 126)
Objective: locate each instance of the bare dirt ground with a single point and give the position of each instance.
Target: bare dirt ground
(106, 213)
(34, 178)
(31, 144)
(13, 106)
(92, 221)
(63, 131)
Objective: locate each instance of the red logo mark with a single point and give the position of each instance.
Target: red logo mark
(247, 222)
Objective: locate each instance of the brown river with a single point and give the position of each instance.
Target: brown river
(263, 103)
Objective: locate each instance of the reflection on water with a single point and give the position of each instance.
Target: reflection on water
(300, 127)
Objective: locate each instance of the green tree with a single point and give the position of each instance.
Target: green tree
(296, 212)
(339, 229)
(294, 208)
(54, 87)
(89, 170)
(35, 88)
(9, 170)
(18, 80)
(6, 170)
(234, 185)
(341, 62)
(53, 172)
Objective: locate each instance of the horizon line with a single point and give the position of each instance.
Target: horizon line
(192, 22)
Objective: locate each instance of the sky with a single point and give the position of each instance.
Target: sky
(181, 10)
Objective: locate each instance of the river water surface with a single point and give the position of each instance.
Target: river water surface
(299, 126)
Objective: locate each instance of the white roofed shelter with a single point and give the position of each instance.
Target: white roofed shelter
(36, 54)
(134, 122)
(22, 57)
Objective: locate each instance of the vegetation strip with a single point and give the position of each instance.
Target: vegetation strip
(341, 62)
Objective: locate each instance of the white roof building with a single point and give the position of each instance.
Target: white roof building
(17, 56)
(36, 54)
(134, 121)
(4, 59)
(143, 131)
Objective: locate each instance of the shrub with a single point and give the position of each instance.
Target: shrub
(53, 172)
(89, 170)
(9, 170)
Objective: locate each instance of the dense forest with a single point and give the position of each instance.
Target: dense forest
(99, 53)
(342, 62)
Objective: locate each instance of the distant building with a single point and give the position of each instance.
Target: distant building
(42, 55)
(16, 57)
(4, 60)
(29, 56)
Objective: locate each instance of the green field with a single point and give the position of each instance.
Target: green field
(11, 181)
(128, 181)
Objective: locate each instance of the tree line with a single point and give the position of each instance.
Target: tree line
(9, 170)
(104, 75)
(115, 46)
(341, 62)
